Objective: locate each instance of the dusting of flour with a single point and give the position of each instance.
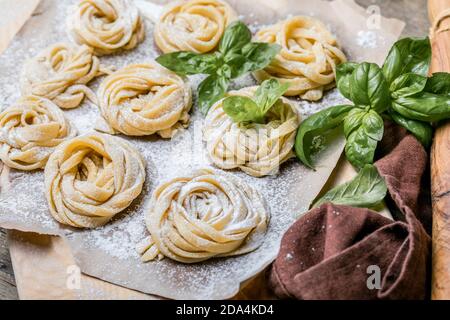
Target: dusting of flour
(109, 252)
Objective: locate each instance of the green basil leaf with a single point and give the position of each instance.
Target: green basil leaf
(362, 142)
(408, 56)
(236, 36)
(360, 149)
(438, 83)
(373, 125)
(188, 63)
(211, 90)
(425, 106)
(235, 62)
(353, 120)
(369, 87)
(258, 55)
(343, 75)
(268, 94)
(421, 130)
(225, 71)
(407, 84)
(366, 190)
(242, 109)
(317, 124)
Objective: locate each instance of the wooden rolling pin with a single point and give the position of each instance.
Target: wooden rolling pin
(439, 12)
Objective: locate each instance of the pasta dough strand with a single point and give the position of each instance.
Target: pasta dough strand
(106, 25)
(91, 178)
(30, 129)
(206, 215)
(143, 99)
(60, 73)
(257, 149)
(308, 57)
(193, 25)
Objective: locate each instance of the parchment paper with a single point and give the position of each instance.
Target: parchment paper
(108, 252)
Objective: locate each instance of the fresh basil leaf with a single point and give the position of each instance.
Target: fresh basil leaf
(421, 130)
(343, 75)
(235, 63)
(369, 87)
(362, 142)
(225, 72)
(258, 55)
(407, 84)
(353, 120)
(425, 106)
(236, 36)
(211, 90)
(373, 125)
(188, 63)
(408, 56)
(317, 124)
(438, 83)
(242, 109)
(360, 148)
(366, 190)
(254, 56)
(268, 94)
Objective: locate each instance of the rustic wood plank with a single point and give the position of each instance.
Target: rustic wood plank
(8, 289)
(439, 11)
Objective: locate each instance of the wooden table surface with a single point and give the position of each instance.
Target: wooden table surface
(413, 12)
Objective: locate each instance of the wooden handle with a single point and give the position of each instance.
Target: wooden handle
(439, 12)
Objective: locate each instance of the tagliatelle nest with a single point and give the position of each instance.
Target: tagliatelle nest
(91, 178)
(193, 25)
(308, 57)
(205, 215)
(106, 25)
(30, 130)
(257, 149)
(143, 99)
(60, 73)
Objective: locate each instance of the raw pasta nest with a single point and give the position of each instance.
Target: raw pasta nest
(257, 149)
(60, 73)
(106, 25)
(193, 25)
(143, 99)
(206, 215)
(308, 57)
(91, 178)
(30, 129)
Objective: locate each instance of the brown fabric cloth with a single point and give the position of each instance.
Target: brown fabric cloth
(326, 253)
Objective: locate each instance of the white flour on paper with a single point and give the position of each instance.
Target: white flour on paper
(109, 252)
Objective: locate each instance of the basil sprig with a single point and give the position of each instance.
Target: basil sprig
(236, 55)
(400, 91)
(366, 190)
(245, 109)
(363, 130)
(408, 56)
(317, 125)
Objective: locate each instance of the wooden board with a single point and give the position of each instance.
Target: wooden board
(439, 11)
(7, 284)
(43, 264)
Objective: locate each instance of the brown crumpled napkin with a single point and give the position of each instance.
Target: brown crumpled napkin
(327, 252)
